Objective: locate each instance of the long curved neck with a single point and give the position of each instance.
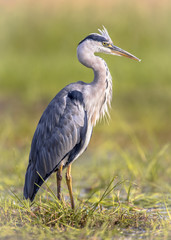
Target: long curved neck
(99, 67)
(87, 58)
(100, 89)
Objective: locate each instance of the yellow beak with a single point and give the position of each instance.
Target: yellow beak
(120, 52)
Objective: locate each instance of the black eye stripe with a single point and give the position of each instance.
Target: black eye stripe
(94, 37)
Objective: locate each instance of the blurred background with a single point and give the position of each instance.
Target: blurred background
(38, 41)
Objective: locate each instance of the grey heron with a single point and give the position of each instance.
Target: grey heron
(65, 128)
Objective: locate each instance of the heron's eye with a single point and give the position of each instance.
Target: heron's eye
(105, 44)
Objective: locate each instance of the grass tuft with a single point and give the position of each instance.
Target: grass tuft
(93, 217)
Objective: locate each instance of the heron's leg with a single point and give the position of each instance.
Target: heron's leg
(69, 184)
(59, 179)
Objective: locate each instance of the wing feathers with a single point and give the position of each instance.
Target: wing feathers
(58, 134)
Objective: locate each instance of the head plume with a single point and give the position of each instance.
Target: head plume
(103, 36)
(104, 33)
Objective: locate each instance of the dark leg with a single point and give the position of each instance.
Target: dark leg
(59, 179)
(69, 184)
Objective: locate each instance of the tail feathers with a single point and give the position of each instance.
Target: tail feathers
(32, 183)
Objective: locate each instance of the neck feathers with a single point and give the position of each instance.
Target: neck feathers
(98, 93)
(102, 92)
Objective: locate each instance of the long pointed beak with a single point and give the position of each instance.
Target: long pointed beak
(120, 52)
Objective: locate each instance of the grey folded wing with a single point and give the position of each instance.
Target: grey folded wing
(60, 134)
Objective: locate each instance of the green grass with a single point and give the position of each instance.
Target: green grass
(102, 215)
(122, 182)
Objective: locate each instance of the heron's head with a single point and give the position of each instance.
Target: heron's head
(102, 43)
